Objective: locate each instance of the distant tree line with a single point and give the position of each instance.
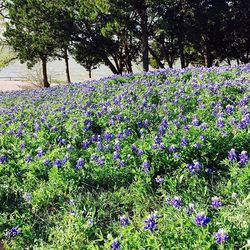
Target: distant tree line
(119, 32)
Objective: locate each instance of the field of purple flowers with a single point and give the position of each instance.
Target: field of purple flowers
(153, 161)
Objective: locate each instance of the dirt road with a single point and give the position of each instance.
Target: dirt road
(14, 85)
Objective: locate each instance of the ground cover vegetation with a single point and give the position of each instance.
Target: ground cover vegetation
(152, 161)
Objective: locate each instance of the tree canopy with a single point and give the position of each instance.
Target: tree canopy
(117, 33)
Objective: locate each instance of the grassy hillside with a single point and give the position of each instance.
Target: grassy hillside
(153, 161)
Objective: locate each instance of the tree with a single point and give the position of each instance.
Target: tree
(165, 38)
(237, 31)
(103, 36)
(140, 11)
(87, 58)
(28, 32)
(62, 28)
(119, 32)
(6, 53)
(206, 28)
(141, 7)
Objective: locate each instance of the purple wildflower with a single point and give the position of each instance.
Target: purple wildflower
(40, 152)
(221, 236)
(58, 163)
(142, 131)
(242, 124)
(79, 164)
(115, 245)
(72, 212)
(27, 197)
(94, 157)
(151, 224)
(229, 109)
(201, 219)
(172, 149)
(232, 156)
(100, 146)
(91, 222)
(184, 141)
(101, 161)
(127, 132)
(243, 158)
(176, 202)
(134, 148)
(162, 146)
(122, 163)
(220, 123)
(46, 162)
(164, 123)
(140, 152)
(216, 202)
(203, 137)
(65, 159)
(28, 158)
(116, 155)
(117, 146)
(85, 144)
(159, 180)
(194, 167)
(22, 146)
(198, 145)
(14, 231)
(157, 140)
(3, 159)
(146, 166)
(204, 126)
(190, 209)
(146, 123)
(195, 121)
(161, 131)
(233, 121)
(70, 147)
(124, 221)
(94, 138)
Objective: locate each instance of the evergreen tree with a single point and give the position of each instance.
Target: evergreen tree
(28, 32)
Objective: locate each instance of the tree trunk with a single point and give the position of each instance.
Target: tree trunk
(129, 67)
(45, 76)
(142, 10)
(127, 59)
(181, 37)
(66, 58)
(170, 63)
(158, 60)
(244, 58)
(108, 63)
(96, 45)
(205, 59)
(118, 68)
(181, 51)
(208, 57)
(90, 73)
